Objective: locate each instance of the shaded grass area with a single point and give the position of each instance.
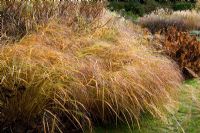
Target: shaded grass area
(185, 120)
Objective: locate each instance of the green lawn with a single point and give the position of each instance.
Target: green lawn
(185, 120)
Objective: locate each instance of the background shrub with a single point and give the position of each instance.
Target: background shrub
(183, 6)
(135, 8)
(151, 5)
(115, 6)
(131, 6)
(144, 7)
(184, 49)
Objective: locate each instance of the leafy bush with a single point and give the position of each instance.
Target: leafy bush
(132, 6)
(135, 8)
(183, 6)
(151, 5)
(184, 49)
(115, 6)
(144, 7)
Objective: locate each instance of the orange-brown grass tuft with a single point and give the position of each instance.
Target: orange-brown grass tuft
(57, 79)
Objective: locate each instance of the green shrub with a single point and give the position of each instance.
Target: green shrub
(116, 6)
(151, 5)
(183, 6)
(135, 8)
(131, 6)
(140, 8)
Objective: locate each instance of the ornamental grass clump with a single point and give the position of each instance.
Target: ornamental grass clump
(162, 19)
(74, 72)
(60, 79)
(19, 17)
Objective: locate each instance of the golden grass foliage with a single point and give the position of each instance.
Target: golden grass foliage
(57, 79)
(198, 5)
(20, 17)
